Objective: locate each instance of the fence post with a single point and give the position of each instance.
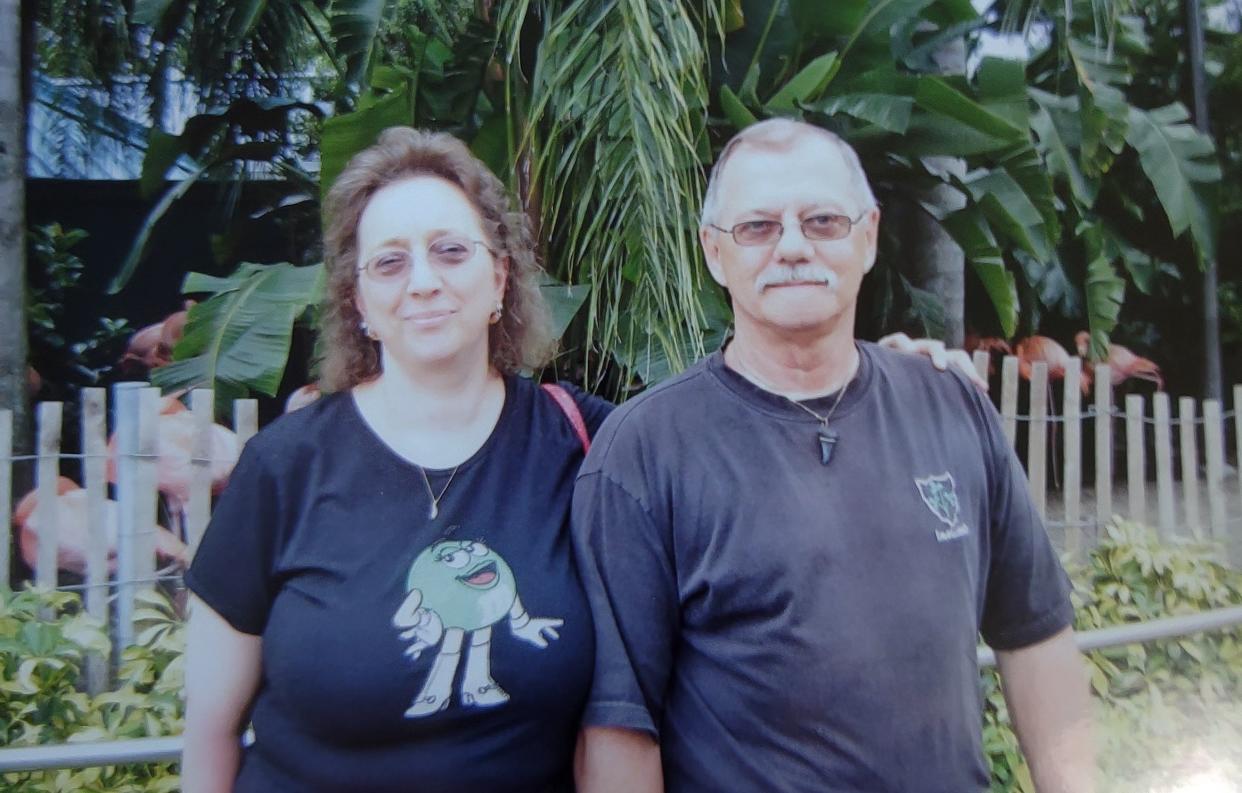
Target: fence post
(47, 477)
(1103, 445)
(1037, 437)
(1190, 463)
(1072, 413)
(126, 409)
(1009, 398)
(147, 502)
(6, 494)
(1235, 533)
(198, 508)
(1237, 429)
(1164, 465)
(981, 359)
(1136, 458)
(95, 481)
(245, 419)
(1214, 452)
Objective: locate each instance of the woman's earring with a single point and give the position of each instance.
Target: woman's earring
(366, 330)
(497, 312)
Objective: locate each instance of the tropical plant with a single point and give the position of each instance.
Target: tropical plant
(45, 640)
(56, 275)
(1163, 309)
(1156, 702)
(604, 116)
(238, 339)
(1037, 139)
(1131, 172)
(614, 142)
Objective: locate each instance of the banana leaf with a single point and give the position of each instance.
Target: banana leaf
(354, 25)
(1058, 128)
(1181, 164)
(237, 340)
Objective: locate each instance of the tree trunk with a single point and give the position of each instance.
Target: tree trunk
(1212, 386)
(933, 261)
(13, 344)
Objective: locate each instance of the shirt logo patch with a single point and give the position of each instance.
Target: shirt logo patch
(940, 495)
(457, 591)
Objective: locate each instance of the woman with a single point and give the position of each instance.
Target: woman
(386, 589)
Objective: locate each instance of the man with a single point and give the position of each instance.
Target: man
(792, 548)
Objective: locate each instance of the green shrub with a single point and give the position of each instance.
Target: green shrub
(1162, 708)
(45, 639)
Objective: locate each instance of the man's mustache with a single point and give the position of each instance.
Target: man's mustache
(800, 273)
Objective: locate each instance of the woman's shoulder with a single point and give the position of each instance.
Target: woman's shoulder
(304, 429)
(593, 409)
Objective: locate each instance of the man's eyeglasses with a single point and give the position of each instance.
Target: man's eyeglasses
(820, 228)
(391, 267)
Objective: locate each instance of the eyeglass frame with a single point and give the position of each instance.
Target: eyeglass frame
(732, 232)
(363, 268)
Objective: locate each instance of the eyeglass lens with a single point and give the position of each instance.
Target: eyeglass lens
(816, 227)
(395, 265)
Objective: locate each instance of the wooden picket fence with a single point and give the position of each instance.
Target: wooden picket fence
(1180, 482)
(135, 414)
(1049, 439)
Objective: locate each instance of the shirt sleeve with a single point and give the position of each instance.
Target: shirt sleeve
(1027, 596)
(625, 561)
(232, 570)
(594, 409)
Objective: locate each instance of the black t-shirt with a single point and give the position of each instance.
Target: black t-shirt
(399, 652)
(781, 624)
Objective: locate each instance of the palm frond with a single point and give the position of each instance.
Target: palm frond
(617, 103)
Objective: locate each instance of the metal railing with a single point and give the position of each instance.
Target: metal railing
(168, 750)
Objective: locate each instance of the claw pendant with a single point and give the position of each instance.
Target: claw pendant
(827, 440)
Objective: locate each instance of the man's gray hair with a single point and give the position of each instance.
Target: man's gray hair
(781, 134)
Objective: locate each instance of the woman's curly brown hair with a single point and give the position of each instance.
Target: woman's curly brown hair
(520, 340)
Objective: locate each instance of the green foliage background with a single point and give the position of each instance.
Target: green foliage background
(1071, 179)
(1164, 709)
(45, 639)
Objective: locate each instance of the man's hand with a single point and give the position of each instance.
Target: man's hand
(941, 357)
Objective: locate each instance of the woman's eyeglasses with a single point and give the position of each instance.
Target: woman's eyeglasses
(393, 266)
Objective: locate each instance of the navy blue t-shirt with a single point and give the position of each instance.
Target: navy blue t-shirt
(400, 652)
(784, 625)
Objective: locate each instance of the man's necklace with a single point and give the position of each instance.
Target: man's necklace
(827, 436)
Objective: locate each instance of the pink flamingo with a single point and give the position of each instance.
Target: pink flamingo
(1041, 348)
(174, 469)
(144, 350)
(151, 347)
(1123, 364)
(72, 539)
(302, 397)
(989, 344)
